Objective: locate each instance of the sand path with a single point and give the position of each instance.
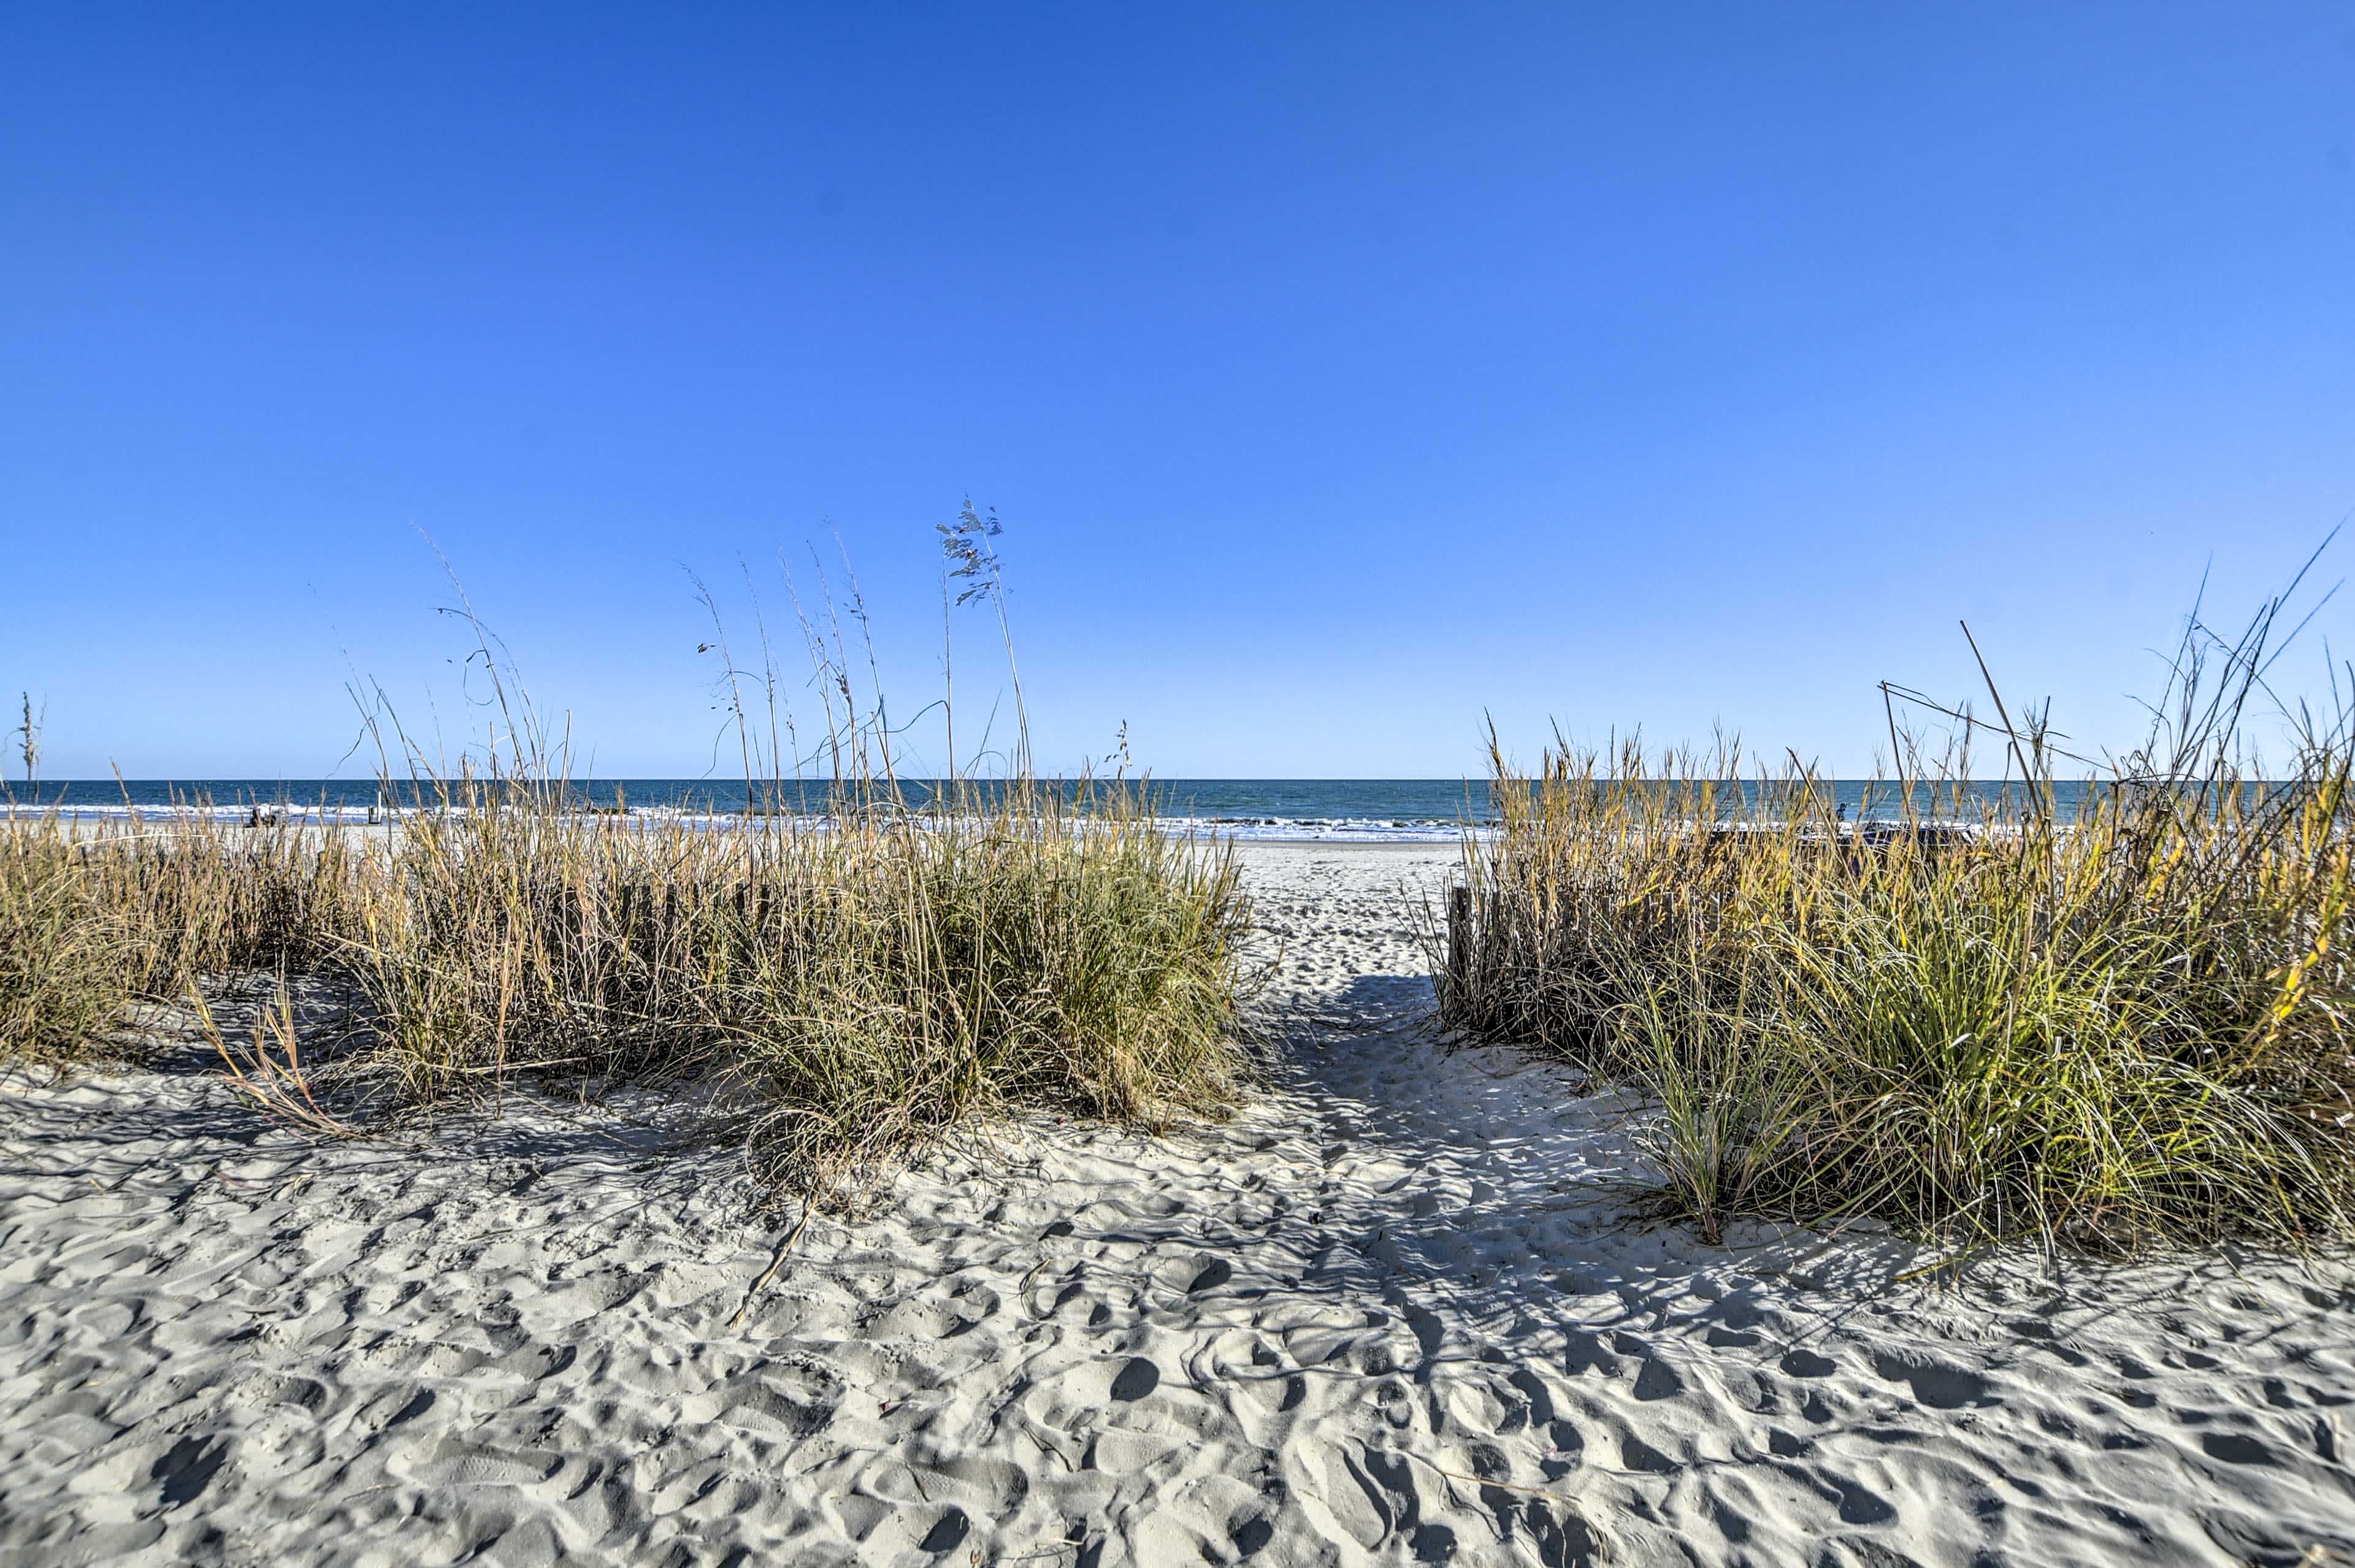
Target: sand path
(1395, 1313)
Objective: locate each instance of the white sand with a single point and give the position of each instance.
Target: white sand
(1305, 1338)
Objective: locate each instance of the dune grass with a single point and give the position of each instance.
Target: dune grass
(92, 921)
(836, 985)
(849, 982)
(62, 975)
(2110, 1019)
(853, 983)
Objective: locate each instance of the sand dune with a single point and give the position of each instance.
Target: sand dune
(1400, 1311)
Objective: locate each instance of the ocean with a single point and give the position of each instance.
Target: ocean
(1374, 810)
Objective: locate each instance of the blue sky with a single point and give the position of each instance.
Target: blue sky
(1341, 374)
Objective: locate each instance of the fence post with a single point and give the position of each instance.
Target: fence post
(1459, 942)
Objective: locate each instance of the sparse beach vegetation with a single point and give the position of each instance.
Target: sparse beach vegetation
(852, 982)
(2108, 1016)
(835, 984)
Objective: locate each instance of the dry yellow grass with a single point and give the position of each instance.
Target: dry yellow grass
(837, 985)
(2109, 1018)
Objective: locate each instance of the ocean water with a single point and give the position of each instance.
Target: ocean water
(1396, 810)
(1435, 810)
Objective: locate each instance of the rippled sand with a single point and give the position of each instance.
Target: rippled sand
(1397, 1312)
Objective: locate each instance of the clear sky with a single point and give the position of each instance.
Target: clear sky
(1341, 374)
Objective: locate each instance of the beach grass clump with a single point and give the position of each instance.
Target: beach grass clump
(2111, 1016)
(1031, 953)
(198, 894)
(842, 982)
(838, 983)
(94, 916)
(849, 982)
(63, 981)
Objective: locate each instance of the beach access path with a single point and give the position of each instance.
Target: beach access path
(1404, 1308)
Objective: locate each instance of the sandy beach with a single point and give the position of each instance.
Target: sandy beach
(1403, 1309)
